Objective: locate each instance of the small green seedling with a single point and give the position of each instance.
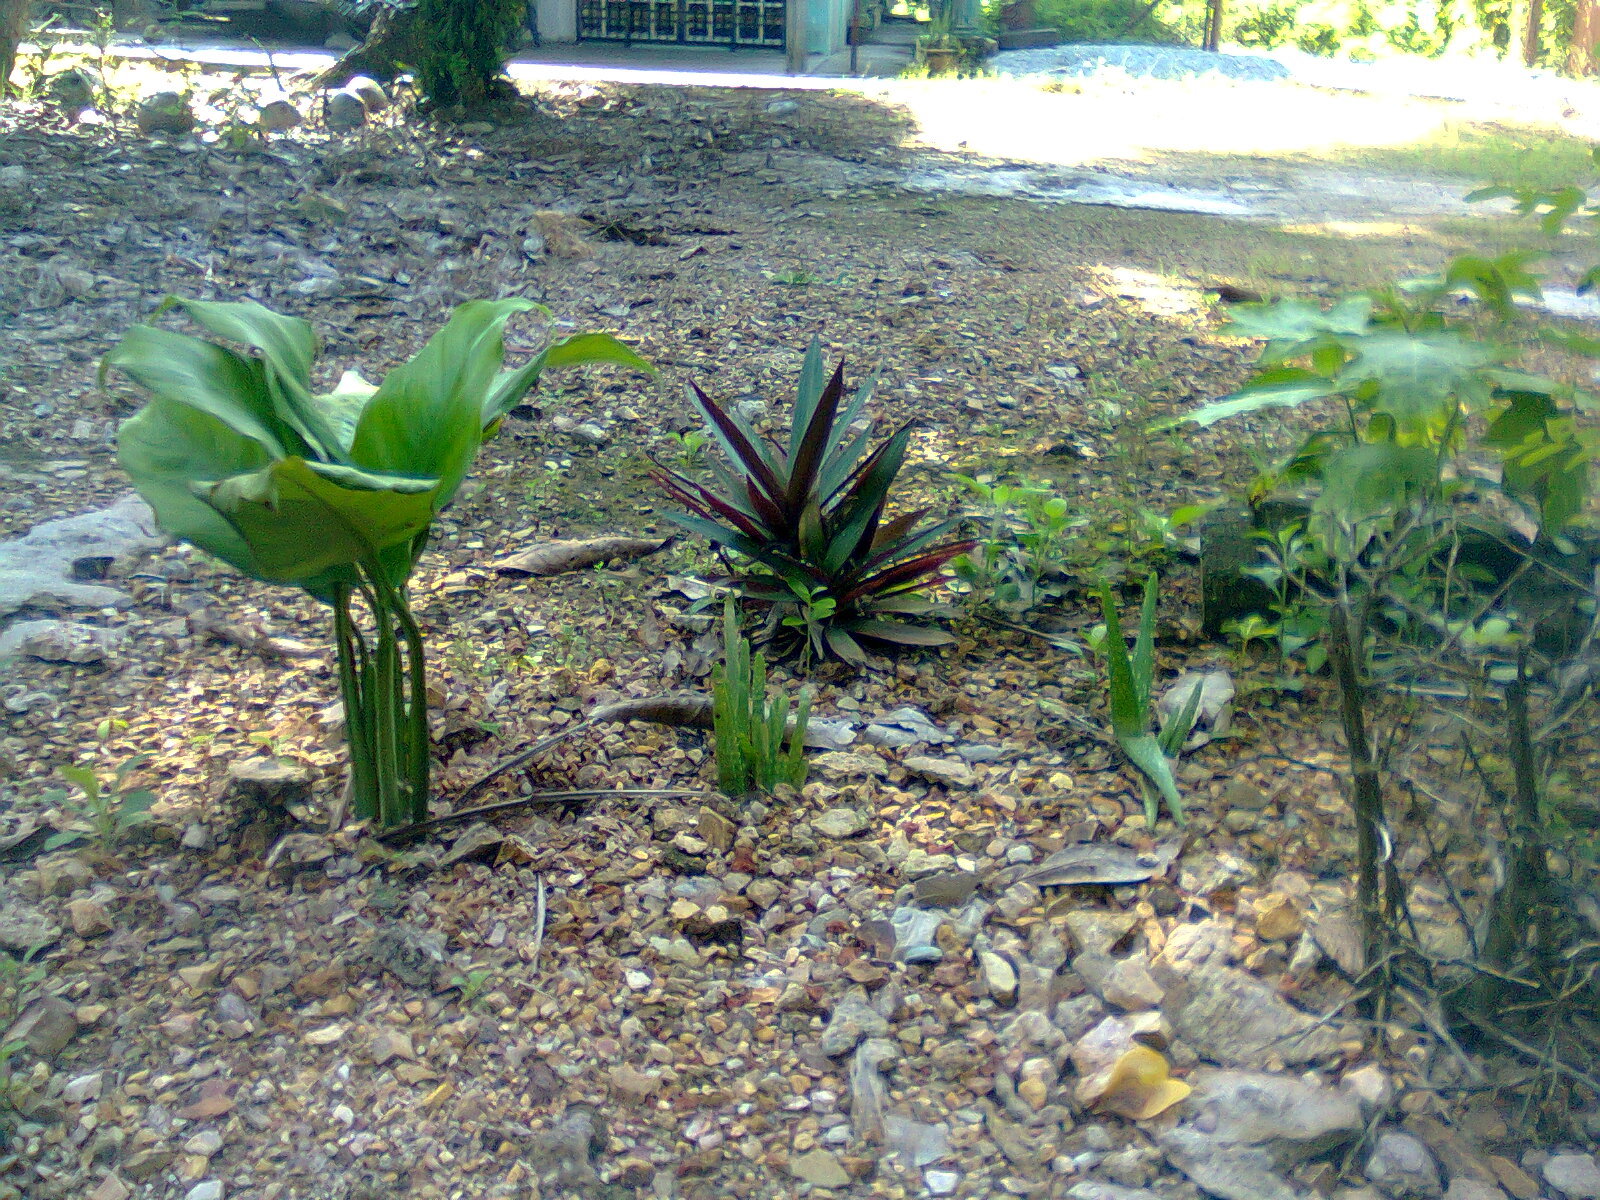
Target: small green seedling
(103, 814)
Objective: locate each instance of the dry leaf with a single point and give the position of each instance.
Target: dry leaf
(554, 558)
(1101, 863)
(1137, 1085)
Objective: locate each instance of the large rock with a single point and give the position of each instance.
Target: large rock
(164, 112)
(1234, 1019)
(55, 564)
(1242, 1130)
(1575, 1176)
(1402, 1167)
(59, 641)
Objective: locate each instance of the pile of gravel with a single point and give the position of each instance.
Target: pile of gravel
(1461, 78)
(1135, 60)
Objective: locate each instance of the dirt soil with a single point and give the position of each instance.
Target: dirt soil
(626, 997)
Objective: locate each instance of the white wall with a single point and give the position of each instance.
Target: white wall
(558, 20)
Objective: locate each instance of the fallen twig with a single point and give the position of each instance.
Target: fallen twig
(407, 833)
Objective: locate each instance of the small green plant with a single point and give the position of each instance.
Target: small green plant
(691, 448)
(748, 728)
(1021, 553)
(103, 814)
(796, 278)
(471, 984)
(332, 492)
(18, 977)
(1128, 684)
(806, 520)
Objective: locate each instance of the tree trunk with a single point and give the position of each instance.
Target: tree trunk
(13, 23)
(1585, 32)
(1213, 25)
(1530, 39)
(390, 42)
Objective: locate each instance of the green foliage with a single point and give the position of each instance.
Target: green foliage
(334, 492)
(1407, 385)
(1128, 684)
(103, 814)
(471, 984)
(749, 728)
(1021, 552)
(1107, 20)
(461, 47)
(806, 520)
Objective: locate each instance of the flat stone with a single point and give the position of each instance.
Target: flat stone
(1575, 1176)
(1277, 918)
(1401, 1166)
(1462, 1188)
(952, 772)
(1097, 930)
(24, 926)
(999, 976)
(110, 1188)
(853, 1018)
(914, 930)
(46, 1025)
(1234, 1019)
(209, 1189)
(840, 822)
(46, 567)
(820, 1168)
(634, 1084)
(941, 1183)
(947, 889)
(387, 1045)
(715, 829)
(271, 782)
(90, 916)
(59, 641)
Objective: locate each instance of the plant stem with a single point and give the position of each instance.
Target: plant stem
(1365, 787)
(357, 723)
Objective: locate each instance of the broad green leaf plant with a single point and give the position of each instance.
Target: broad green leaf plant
(333, 492)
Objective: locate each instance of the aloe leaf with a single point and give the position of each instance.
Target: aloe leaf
(1129, 718)
(904, 573)
(1144, 646)
(1177, 730)
(1144, 752)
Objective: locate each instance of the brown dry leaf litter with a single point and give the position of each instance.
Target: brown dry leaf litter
(851, 991)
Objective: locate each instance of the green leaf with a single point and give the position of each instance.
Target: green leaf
(1297, 320)
(185, 371)
(425, 420)
(1302, 388)
(165, 448)
(1370, 480)
(301, 519)
(85, 779)
(580, 349)
(1415, 375)
(1144, 752)
(287, 345)
(1128, 718)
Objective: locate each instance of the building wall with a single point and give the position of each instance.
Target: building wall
(827, 23)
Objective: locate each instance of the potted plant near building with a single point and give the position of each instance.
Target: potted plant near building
(941, 51)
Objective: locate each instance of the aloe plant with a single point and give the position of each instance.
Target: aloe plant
(334, 492)
(805, 519)
(749, 728)
(1129, 681)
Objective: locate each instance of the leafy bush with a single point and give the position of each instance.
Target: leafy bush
(806, 522)
(1021, 551)
(1106, 21)
(1396, 501)
(334, 492)
(461, 47)
(748, 728)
